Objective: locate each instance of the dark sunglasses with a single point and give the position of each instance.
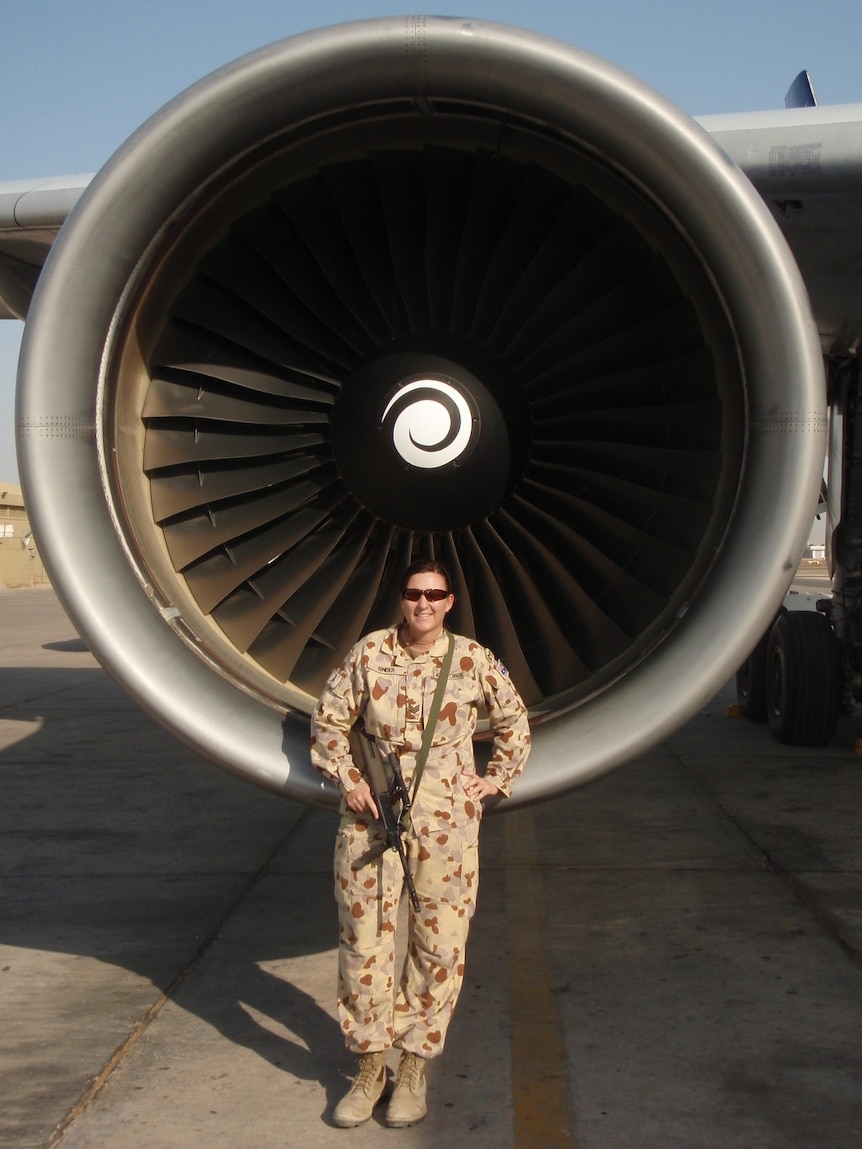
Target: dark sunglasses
(413, 595)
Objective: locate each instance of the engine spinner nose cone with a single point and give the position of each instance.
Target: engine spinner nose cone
(421, 442)
(432, 423)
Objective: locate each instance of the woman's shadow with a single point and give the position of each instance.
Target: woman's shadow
(120, 845)
(269, 1009)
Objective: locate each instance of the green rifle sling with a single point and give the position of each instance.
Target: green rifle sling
(429, 728)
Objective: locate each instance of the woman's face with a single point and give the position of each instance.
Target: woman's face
(425, 619)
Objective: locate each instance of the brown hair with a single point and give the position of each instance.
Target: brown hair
(423, 566)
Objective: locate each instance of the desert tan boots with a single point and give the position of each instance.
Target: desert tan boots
(408, 1105)
(368, 1087)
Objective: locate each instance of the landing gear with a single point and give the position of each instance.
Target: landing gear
(793, 680)
(803, 679)
(751, 679)
(751, 683)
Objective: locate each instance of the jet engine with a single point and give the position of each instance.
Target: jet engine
(420, 287)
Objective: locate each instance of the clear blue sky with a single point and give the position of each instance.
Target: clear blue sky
(78, 76)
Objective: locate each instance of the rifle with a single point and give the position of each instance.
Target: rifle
(387, 784)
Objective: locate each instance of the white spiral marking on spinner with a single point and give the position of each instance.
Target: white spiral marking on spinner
(433, 423)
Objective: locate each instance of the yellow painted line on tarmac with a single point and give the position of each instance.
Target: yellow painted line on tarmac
(541, 1087)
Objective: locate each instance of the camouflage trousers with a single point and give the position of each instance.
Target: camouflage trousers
(374, 1010)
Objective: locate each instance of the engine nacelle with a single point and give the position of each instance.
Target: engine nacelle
(409, 287)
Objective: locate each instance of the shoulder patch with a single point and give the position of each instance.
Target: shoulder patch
(502, 669)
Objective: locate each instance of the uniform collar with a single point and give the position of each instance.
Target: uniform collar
(437, 649)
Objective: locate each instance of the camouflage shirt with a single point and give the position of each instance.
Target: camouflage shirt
(393, 690)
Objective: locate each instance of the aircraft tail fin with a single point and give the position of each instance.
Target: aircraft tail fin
(800, 94)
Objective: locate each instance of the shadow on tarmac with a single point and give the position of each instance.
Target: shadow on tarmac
(121, 848)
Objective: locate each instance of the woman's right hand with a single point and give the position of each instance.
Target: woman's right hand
(360, 800)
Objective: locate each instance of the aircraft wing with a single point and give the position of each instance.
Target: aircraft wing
(807, 165)
(31, 214)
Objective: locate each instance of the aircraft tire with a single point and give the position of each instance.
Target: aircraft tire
(751, 686)
(751, 683)
(803, 679)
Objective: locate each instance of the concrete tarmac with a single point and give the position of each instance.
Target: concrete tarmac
(669, 957)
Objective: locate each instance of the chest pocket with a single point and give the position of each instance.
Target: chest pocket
(459, 702)
(384, 710)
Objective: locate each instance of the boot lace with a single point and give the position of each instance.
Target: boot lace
(369, 1068)
(410, 1071)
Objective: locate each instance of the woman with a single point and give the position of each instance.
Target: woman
(389, 680)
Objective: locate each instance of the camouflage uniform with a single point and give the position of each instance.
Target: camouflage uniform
(394, 690)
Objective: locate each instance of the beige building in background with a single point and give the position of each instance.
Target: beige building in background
(20, 564)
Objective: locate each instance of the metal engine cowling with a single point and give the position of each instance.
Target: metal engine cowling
(408, 287)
